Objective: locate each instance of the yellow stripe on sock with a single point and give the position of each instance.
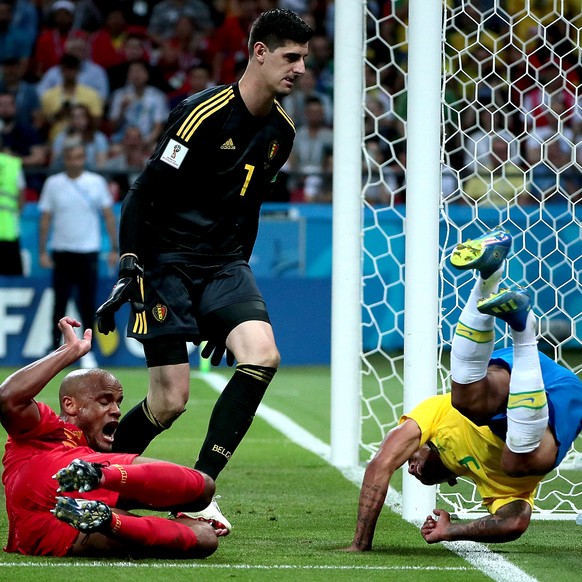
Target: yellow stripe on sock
(475, 335)
(536, 400)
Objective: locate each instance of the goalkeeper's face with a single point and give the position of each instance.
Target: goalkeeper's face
(426, 465)
(282, 66)
(95, 409)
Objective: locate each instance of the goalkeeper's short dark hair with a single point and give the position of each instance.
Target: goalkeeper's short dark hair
(275, 27)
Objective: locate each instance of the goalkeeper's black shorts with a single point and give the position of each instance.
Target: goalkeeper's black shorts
(183, 300)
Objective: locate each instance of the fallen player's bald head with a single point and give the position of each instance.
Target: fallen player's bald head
(85, 381)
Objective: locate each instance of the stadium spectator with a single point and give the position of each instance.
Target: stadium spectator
(44, 451)
(313, 143)
(136, 13)
(228, 43)
(494, 428)
(166, 14)
(14, 42)
(321, 61)
(197, 79)
(18, 138)
(186, 48)
(25, 19)
(50, 45)
(126, 160)
(306, 87)
(27, 101)
(527, 23)
(82, 129)
(200, 244)
(57, 102)
(12, 186)
(90, 73)
(136, 48)
(554, 177)
(71, 206)
(478, 137)
(88, 15)
(107, 42)
(550, 102)
(138, 104)
(380, 183)
(498, 180)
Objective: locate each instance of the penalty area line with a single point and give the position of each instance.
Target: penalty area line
(478, 555)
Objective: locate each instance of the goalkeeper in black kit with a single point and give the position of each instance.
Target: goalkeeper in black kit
(187, 230)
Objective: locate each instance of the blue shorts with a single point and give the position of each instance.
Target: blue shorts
(564, 393)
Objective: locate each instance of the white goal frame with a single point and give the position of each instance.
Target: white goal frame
(422, 250)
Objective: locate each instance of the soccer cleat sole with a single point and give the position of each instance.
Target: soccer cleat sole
(84, 515)
(79, 475)
(484, 254)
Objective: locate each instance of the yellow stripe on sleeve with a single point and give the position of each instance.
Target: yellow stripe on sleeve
(199, 120)
(201, 110)
(284, 114)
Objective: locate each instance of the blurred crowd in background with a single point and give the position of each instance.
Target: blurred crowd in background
(106, 74)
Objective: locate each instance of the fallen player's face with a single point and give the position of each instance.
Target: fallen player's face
(426, 465)
(99, 413)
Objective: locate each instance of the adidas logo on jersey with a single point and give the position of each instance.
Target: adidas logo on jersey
(228, 145)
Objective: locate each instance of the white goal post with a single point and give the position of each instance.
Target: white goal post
(474, 84)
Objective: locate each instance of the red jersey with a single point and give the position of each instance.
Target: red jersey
(30, 461)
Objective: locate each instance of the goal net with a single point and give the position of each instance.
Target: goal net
(511, 155)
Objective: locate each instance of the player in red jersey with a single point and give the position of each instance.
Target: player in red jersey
(66, 493)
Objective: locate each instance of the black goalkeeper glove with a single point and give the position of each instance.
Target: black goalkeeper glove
(215, 351)
(127, 288)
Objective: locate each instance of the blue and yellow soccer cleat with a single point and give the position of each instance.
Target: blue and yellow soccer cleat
(509, 305)
(485, 254)
(85, 515)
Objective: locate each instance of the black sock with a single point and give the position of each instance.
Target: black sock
(232, 416)
(136, 430)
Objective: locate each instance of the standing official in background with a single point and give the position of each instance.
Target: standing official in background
(188, 227)
(72, 203)
(12, 186)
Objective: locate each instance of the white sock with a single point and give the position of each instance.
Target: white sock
(474, 337)
(527, 406)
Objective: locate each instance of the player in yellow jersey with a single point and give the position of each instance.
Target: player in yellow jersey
(510, 419)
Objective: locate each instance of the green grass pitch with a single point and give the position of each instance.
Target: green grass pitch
(292, 512)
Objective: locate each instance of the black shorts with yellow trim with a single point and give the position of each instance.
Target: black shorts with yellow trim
(188, 302)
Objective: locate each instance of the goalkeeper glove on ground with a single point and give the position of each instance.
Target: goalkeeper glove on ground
(128, 288)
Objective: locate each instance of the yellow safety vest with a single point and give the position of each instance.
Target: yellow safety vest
(9, 197)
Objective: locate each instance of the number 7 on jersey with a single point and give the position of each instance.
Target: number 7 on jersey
(250, 169)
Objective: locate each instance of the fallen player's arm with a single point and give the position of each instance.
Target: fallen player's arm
(398, 445)
(18, 410)
(505, 525)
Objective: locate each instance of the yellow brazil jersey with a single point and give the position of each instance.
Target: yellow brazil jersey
(470, 451)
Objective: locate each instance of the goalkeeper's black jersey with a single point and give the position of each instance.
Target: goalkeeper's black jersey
(199, 197)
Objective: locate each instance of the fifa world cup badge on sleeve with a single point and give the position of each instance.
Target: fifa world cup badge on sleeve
(174, 154)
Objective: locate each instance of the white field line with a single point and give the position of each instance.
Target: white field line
(478, 555)
(189, 565)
